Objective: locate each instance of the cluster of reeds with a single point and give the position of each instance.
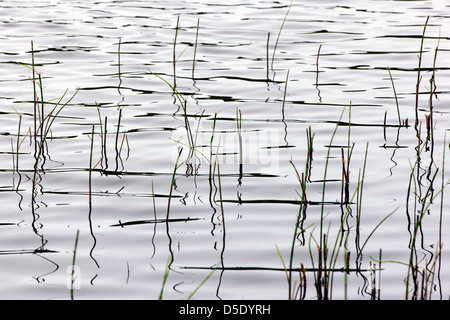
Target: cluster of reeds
(45, 112)
(325, 252)
(328, 249)
(423, 192)
(118, 147)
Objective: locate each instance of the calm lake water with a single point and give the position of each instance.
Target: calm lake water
(254, 92)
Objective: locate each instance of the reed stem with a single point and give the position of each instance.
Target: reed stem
(194, 61)
(73, 266)
(177, 28)
(396, 99)
(279, 33)
(419, 77)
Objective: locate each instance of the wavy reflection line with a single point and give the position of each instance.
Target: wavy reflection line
(222, 253)
(393, 153)
(317, 74)
(172, 188)
(119, 74)
(155, 215)
(282, 110)
(90, 200)
(38, 278)
(16, 189)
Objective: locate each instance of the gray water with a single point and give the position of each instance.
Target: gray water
(116, 55)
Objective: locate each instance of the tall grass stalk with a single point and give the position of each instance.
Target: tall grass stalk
(419, 77)
(241, 152)
(303, 206)
(119, 73)
(279, 34)
(42, 126)
(322, 252)
(117, 139)
(174, 58)
(396, 99)
(285, 92)
(18, 143)
(317, 66)
(423, 198)
(194, 61)
(441, 208)
(172, 187)
(165, 277)
(72, 276)
(203, 282)
(173, 182)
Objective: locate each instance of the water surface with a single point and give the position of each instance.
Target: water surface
(336, 60)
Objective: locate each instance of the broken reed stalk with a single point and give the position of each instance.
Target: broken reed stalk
(317, 65)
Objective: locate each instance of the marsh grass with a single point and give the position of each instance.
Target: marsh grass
(45, 112)
(325, 253)
(327, 243)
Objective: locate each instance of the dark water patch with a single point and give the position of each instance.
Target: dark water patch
(141, 222)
